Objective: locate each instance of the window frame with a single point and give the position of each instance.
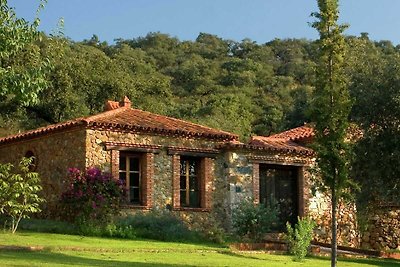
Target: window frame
(187, 203)
(128, 156)
(206, 159)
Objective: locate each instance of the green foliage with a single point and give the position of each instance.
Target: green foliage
(331, 101)
(48, 226)
(330, 109)
(299, 238)
(90, 198)
(156, 225)
(235, 86)
(243, 87)
(212, 230)
(376, 167)
(252, 221)
(22, 70)
(376, 110)
(19, 192)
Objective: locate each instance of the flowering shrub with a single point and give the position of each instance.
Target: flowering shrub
(90, 196)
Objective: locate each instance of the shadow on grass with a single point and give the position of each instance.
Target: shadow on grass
(373, 261)
(32, 258)
(370, 261)
(238, 255)
(248, 256)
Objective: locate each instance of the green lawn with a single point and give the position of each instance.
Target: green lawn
(68, 250)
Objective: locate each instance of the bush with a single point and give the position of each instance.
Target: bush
(300, 237)
(157, 225)
(48, 226)
(91, 198)
(213, 231)
(19, 192)
(252, 221)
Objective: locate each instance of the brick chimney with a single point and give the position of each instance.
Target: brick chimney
(126, 102)
(110, 105)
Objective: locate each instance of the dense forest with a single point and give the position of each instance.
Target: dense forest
(242, 87)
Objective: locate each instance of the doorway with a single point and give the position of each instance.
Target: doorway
(279, 185)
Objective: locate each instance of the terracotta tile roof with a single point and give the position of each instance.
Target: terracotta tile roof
(128, 119)
(280, 145)
(298, 134)
(276, 145)
(41, 131)
(288, 141)
(285, 142)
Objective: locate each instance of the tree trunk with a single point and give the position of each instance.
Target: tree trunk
(334, 230)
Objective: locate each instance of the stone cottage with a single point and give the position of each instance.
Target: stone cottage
(196, 171)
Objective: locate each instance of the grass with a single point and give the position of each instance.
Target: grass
(69, 250)
(75, 242)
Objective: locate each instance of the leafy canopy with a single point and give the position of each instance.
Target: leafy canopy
(21, 66)
(331, 102)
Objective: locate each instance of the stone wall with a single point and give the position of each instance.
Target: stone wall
(383, 228)
(162, 191)
(242, 175)
(347, 232)
(54, 154)
(239, 173)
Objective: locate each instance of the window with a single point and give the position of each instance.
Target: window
(131, 175)
(190, 182)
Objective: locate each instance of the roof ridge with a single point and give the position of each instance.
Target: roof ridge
(185, 121)
(295, 135)
(103, 114)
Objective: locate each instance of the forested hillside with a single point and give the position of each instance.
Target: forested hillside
(241, 87)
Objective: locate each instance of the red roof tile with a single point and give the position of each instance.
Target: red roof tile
(129, 119)
(285, 142)
(279, 144)
(299, 134)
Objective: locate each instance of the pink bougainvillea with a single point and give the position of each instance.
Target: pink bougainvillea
(91, 195)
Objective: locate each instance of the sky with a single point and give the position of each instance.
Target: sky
(258, 20)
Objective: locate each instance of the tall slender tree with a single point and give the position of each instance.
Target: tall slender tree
(330, 109)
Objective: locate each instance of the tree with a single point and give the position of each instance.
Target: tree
(330, 110)
(21, 67)
(375, 86)
(19, 191)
